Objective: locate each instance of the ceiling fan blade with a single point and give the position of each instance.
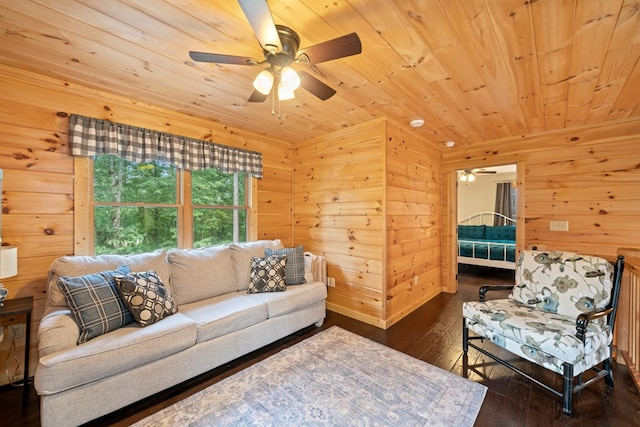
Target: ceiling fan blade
(222, 59)
(259, 16)
(315, 86)
(257, 97)
(332, 49)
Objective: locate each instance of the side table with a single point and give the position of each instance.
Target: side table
(14, 312)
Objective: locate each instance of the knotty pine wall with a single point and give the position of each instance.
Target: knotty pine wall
(588, 176)
(414, 204)
(37, 199)
(338, 182)
(368, 198)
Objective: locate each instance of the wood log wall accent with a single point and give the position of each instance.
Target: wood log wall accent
(368, 198)
(37, 199)
(588, 176)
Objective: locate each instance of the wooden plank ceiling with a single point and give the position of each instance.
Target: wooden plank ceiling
(474, 70)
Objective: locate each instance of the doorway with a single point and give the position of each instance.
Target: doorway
(469, 196)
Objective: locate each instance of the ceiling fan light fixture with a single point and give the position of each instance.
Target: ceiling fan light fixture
(285, 93)
(471, 177)
(289, 78)
(264, 82)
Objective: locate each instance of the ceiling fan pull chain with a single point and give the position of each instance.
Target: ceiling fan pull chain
(279, 113)
(273, 102)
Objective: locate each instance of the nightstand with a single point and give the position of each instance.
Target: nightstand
(14, 312)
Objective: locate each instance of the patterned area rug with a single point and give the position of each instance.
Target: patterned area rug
(335, 378)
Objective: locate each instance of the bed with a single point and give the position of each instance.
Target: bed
(480, 242)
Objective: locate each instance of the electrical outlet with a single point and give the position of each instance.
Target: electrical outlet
(17, 331)
(559, 225)
(331, 282)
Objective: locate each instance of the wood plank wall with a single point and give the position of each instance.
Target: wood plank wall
(37, 197)
(588, 176)
(414, 201)
(339, 213)
(368, 198)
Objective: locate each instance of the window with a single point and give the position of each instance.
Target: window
(219, 203)
(142, 207)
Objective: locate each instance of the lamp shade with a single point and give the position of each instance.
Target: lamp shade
(284, 93)
(8, 261)
(263, 82)
(289, 79)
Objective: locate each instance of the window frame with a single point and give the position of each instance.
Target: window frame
(84, 207)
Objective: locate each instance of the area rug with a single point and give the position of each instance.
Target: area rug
(334, 378)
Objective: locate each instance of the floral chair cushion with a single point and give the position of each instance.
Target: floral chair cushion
(562, 282)
(538, 355)
(533, 330)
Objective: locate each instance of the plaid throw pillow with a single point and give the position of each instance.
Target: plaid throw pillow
(294, 270)
(267, 274)
(94, 302)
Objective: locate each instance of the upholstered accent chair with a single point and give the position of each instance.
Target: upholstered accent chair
(559, 315)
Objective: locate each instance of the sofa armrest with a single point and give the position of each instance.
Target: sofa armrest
(57, 331)
(483, 290)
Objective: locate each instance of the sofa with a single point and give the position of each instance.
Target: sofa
(214, 313)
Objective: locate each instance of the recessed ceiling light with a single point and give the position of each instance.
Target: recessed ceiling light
(450, 144)
(416, 123)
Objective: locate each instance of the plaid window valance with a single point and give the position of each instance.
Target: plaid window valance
(91, 137)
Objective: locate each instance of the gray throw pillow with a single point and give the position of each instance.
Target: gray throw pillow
(267, 274)
(294, 270)
(95, 303)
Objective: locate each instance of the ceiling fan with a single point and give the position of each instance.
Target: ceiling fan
(469, 175)
(280, 46)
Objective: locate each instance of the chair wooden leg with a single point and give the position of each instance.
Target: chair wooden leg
(465, 336)
(608, 379)
(567, 388)
(579, 384)
(465, 348)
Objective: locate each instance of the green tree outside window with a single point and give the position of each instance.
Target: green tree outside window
(137, 206)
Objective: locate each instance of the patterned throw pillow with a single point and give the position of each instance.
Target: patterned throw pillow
(294, 270)
(94, 302)
(267, 274)
(146, 297)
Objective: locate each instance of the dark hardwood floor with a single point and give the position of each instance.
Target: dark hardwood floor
(433, 334)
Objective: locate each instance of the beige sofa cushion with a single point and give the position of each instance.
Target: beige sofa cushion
(224, 314)
(76, 265)
(118, 351)
(241, 254)
(198, 274)
(294, 298)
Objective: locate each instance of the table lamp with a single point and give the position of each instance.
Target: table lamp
(8, 259)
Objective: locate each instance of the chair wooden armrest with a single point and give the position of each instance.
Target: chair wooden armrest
(582, 321)
(483, 290)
